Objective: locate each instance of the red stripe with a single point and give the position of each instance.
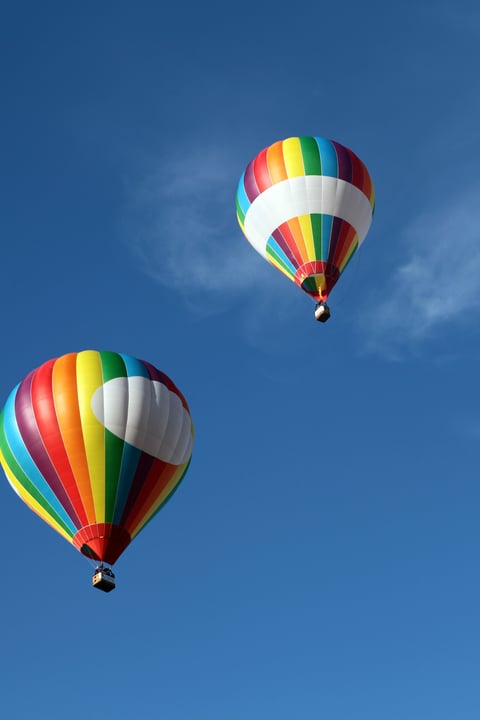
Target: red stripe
(360, 176)
(345, 241)
(44, 406)
(159, 476)
(290, 244)
(260, 169)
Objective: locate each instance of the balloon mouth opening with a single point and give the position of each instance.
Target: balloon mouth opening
(103, 542)
(317, 279)
(88, 552)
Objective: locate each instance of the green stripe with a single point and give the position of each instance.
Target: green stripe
(240, 213)
(311, 156)
(272, 254)
(310, 285)
(113, 366)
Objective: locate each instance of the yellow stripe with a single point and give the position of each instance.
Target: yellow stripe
(306, 226)
(292, 154)
(320, 283)
(31, 502)
(276, 264)
(89, 379)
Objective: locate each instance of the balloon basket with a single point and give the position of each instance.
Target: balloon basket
(103, 579)
(322, 312)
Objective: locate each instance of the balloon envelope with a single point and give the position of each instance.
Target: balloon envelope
(306, 204)
(95, 443)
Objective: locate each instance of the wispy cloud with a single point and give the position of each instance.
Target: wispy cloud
(183, 229)
(438, 282)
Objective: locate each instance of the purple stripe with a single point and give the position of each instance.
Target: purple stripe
(28, 428)
(334, 235)
(344, 162)
(156, 374)
(159, 376)
(283, 245)
(251, 187)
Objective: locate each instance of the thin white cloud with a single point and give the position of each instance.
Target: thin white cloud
(183, 230)
(438, 283)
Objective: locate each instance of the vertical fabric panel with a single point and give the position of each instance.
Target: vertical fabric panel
(113, 367)
(89, 378)
(292, 153)
(64, 381)
(276, 163)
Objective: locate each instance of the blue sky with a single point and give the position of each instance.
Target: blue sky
(321, 557)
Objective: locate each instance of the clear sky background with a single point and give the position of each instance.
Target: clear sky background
(320, 559)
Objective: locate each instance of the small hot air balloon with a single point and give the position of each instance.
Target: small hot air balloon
(306, 204)
(95, 443)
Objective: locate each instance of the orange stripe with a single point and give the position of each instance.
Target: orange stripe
(296, 230)
(347, 239)
(368, 187)
(68, 414)
(276, 163)
(290, 240)
(350, 248)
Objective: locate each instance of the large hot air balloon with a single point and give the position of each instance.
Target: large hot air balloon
(95, 443)
(306, 204)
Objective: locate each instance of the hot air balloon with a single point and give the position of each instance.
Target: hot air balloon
(306, 204)
(95, 443)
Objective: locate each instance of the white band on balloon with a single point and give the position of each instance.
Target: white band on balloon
(306, 195)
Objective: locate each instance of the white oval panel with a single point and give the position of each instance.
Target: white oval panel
(146, 414)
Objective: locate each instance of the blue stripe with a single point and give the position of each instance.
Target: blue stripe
(26, 463)
(327, 222)
(328, 157)
(134, 367)
(242, 197)
(275, 248)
